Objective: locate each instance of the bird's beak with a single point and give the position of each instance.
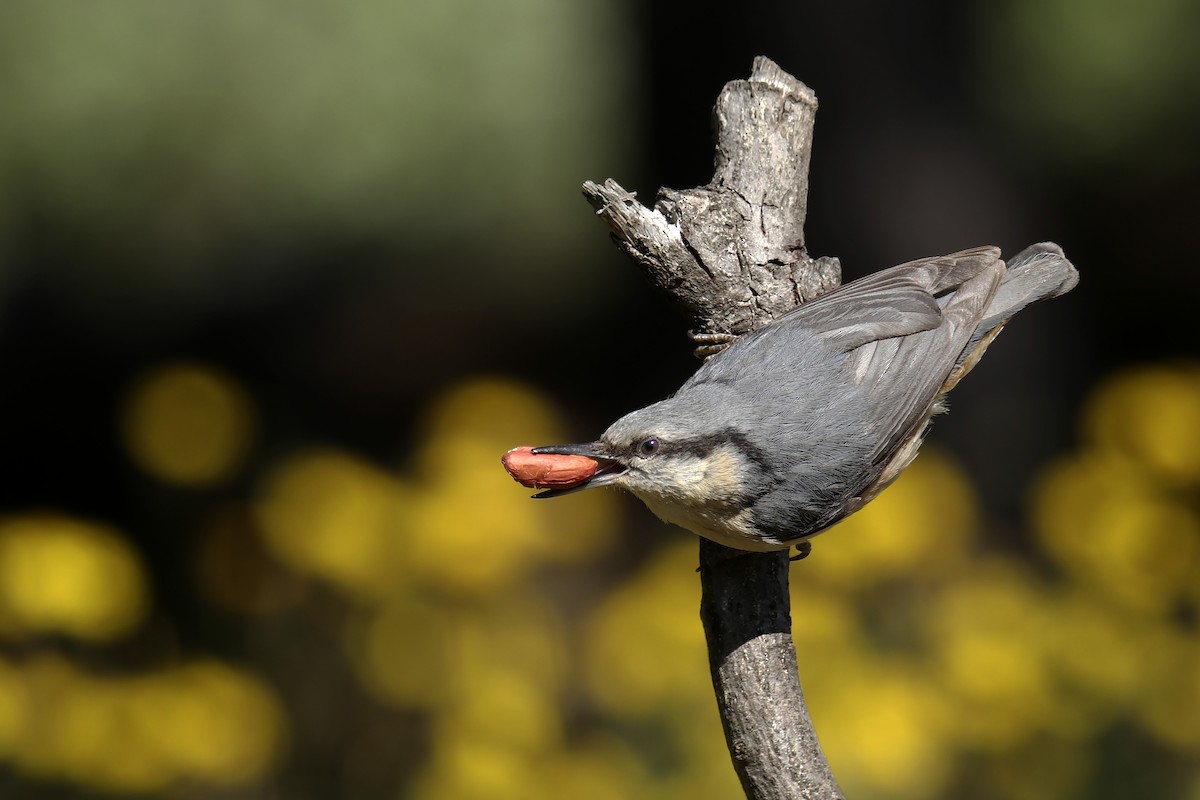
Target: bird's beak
(607, 471)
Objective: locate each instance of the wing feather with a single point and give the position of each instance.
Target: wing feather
(895, 302)
(903, 379)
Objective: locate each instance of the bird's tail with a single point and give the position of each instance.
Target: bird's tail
(1038, 272)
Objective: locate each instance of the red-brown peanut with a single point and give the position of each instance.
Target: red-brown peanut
(545, 471)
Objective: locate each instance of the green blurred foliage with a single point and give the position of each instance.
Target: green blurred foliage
(1095, 82)
(161, 135)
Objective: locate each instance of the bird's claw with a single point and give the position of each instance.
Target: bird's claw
(709, 344)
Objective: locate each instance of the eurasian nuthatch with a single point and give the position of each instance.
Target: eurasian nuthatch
(802, 422)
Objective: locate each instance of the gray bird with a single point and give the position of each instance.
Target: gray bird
(797, 425)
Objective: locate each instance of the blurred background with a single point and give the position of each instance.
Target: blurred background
(279, 283)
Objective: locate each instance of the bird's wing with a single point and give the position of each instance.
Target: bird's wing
(903, 331)
(895, 302)
(902, 376)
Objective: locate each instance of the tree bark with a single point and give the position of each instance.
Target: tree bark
(732, 255)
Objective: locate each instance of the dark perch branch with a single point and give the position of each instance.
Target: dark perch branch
(732, 255)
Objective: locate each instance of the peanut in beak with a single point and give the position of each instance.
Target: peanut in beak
(546, 471)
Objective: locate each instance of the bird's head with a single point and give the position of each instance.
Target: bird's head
(673, 455)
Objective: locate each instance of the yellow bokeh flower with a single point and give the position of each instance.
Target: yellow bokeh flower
(1105, 522)
(599, 768)
(422, 652)
(64, 575)
(1146, 554)
(504, 706)
(208, 721)
(1170, 710)
(187, 424)
(1150, 414)
(644, 650)
(16, 708)
(477, 769)
(986, 649)
(84, 732)
(1102, 654)
(402, 650)
(1070, 494)
(205, 723)
(475, 537)
(521, 632)
(333, 515)
(884, 729)
(825, 623)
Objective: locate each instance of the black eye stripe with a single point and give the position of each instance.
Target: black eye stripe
(704, 445)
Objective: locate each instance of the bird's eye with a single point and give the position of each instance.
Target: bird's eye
(648, 447)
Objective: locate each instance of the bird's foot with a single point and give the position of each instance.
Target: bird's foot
(709, 344)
